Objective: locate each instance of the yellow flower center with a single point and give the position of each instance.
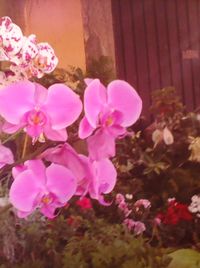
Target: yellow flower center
(109, 121)
(40, 62)
(46, 200)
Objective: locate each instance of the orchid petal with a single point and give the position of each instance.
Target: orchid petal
(40, 95)
(24, 191)
(34, 131)
(123, 98)
(88, 80)
(15, 100)
(101, 145)
(104, 179)
(55, 135)
(61, 182)
(48, 211)
(107, 175)
(116, 131)
(22, 214)
(65, 155)
(18, 170)
(38, 168)
(85, 129)
(63, 106)
(10, 128)
(94, 100)
(6, 156)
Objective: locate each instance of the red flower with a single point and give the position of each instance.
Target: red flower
(175, 213)
(84, 203)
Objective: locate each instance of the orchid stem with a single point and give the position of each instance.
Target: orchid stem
(11, 137)
(25, 146)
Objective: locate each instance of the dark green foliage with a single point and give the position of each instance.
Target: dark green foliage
(76, 242)
(101, 69)
(110, 246)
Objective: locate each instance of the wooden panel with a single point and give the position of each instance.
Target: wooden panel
(163, 43)
(161, 46)
(129, 44)
(119, 47)
(152, 46)
(175, 51)
(194, 46)
(183, 31)
(141, 53)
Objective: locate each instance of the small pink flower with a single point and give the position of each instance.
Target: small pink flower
(139, 227)
(157, 221)
(109, 111)
(124, 208)
(39, 111)
(36, 186)
(142, 202)
(129, 223)
(119, 198)
(84, 203)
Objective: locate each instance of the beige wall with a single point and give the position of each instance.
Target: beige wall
(58, 22)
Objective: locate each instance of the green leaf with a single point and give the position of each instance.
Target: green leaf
(185, 258)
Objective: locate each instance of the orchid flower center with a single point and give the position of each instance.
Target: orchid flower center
(109, 121)
(40, 62)
(47, 199)
(36, 118)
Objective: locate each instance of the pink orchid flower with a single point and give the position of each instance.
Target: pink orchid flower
(109, 111)
(27, 57)
(34, 60)
(36, 186)
(27, 52)
(93, 177)
(65, 155)
(39, 111)
(6, 156)
(11, 39)
(101, 176)
(45, 61)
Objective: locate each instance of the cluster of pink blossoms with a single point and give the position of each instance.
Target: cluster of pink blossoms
(136, 226)
(27, 58)
(59, 173)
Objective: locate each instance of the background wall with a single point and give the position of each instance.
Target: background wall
(58, 22)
